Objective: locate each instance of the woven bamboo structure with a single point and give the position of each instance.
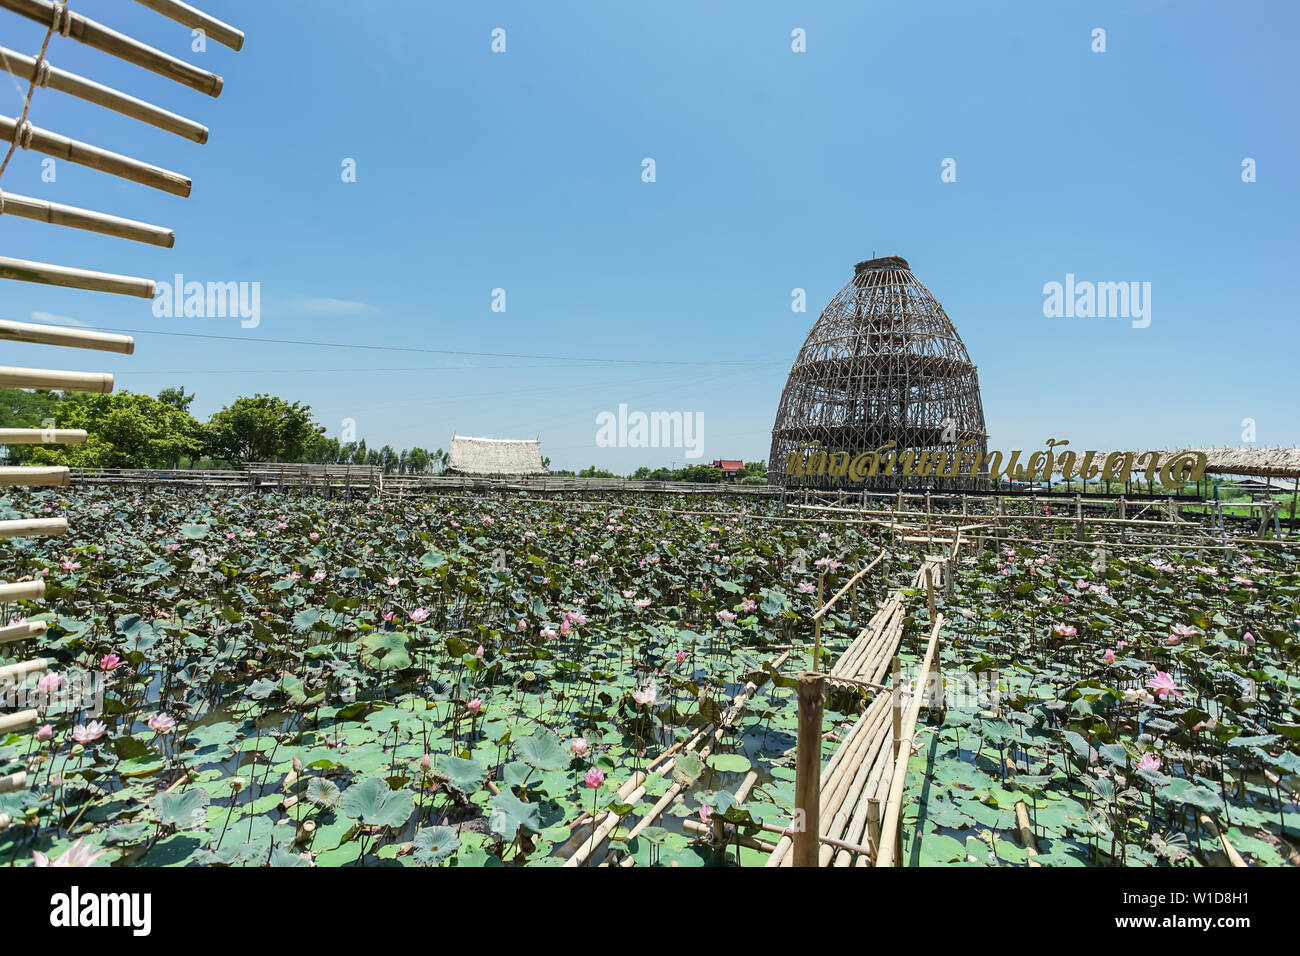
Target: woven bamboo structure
(882, 363)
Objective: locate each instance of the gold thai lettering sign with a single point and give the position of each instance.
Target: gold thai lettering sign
(1176, 470)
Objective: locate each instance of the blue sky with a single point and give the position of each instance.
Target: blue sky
(775, 170)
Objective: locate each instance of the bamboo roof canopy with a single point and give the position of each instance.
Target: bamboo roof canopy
(882, 362)
(1256, 462)
(62, 25)
(495, 456)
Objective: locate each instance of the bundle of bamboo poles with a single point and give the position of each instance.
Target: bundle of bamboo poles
(891, 829)
(867, 658)
(852, 786)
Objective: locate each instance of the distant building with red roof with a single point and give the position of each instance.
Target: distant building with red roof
(730, 469)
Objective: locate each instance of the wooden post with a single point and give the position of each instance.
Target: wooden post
(929, 591)
(817, 624)
(808, 767)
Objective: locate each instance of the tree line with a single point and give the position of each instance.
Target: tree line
(133, 430)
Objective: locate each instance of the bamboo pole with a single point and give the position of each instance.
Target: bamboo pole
(95, 157)
(1234, 857)
(26, 67)
(196, 19)
(41, 436)
(107, 40)
(14, 781)
(808, 763)
(1027, 839)
(22, 590)
(72, 278)
(26, 631)
(929, 591)
(57, 214)
(18, 721)
(59, 335)
(11, 377)
(821, 611)
(890, 830)
(33, 527)
(20, 672)
(36, 476)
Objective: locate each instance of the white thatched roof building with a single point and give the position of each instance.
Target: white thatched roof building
(494, 456)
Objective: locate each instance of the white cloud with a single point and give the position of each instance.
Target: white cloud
(58, 320)
(313, 306)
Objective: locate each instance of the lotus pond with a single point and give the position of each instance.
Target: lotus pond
(250, 680)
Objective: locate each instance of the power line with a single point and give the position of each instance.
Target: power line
(407, 348)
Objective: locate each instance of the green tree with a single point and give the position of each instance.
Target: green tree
(176, 397)
(125, 430)
(263, 428)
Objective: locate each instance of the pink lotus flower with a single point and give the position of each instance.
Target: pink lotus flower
(549, 634)
(173, 547)
(681, 656)
(475, 705)
(70, 565)
(389, 616)
(1110, 657)
(109, 662)
(1065, 630)
(1081, 584)
(230, 535)
(478, 652)
(1182, 630)
(49, 683)
(1249, 638)
(705, 813)
(629, 595)
(967, 613)
(293, 576)
(646, 695)
(76, 855)
(45, 733)
(89, 733)
(315, 535)
(419, 615)
(578, 746)
(1149, 762)
(1172, 639)
(1163, 685)
(565, 627)
(595, 778)
(807, 587)
(643, 603)
(1065, 599)
(162, 724)
(392, 582)
(521, 625)
(319, 576)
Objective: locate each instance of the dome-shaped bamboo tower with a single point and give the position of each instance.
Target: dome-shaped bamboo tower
(883, 362)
